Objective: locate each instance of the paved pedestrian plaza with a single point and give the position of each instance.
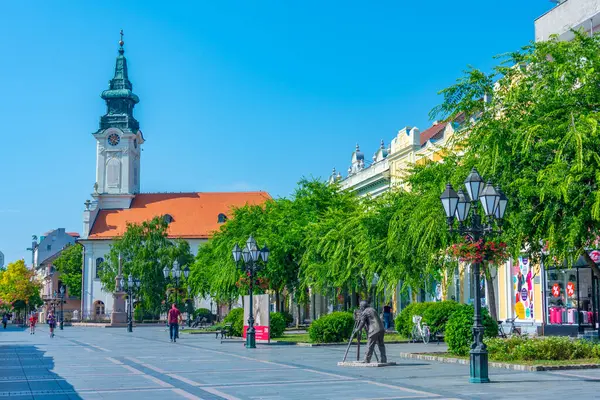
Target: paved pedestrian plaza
(97, 363)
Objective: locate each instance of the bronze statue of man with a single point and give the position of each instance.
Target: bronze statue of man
(375, 331)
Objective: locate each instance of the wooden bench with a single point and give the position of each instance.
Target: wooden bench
(225, 331)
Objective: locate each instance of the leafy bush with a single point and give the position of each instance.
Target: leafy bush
(138, 314)
(404, 322)
(236, 318)
(550, 348)
(332, 328)
(458, 332)
(202, 312)
(435, 315)
(289, 318)
(277, 324)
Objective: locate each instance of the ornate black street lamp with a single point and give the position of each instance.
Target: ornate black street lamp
(175, 274)
(133, 284)
(62, 300)
(249, 258)
(462, 206)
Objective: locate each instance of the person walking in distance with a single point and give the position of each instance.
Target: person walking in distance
(32, 322)
(51, 324)
(4, 320)
(174, 318)
(387, 315)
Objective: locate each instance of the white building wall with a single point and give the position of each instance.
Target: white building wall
(570, 14)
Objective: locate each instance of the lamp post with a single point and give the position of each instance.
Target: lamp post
(462, 206)
(133, 284)
(249, 258)
(175, 274)
(189, 304)
(62, 300)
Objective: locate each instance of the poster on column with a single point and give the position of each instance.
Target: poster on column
(260, 312)
(522, 279)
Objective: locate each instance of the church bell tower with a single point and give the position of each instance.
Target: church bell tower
(118, 142)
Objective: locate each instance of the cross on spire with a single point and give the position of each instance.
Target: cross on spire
(121, 42)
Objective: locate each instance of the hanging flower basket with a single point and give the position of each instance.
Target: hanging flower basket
(260, 283)
(491, 251)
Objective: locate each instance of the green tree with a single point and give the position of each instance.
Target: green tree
(70, 264)
(145, 250)
(538, 139)
(18, 286)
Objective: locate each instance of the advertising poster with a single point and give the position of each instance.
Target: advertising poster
(260, 310)
(522, 278)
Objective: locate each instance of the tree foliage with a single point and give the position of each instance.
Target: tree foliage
(145, 250)
(70, 264)
(18, 285)
(538, 139)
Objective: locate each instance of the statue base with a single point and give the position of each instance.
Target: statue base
(118, 317)
(362, 364)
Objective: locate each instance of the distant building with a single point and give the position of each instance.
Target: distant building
(567, 15)
(49, 248)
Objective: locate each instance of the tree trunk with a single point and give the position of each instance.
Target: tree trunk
(491, 300)
(353, 299)
(277, 303)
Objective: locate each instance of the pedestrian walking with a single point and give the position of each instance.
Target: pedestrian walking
(174, 318)
(51, 324)
(4, 320)
(387, 315)
(32, 322)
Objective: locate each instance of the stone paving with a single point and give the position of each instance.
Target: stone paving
(105, 363)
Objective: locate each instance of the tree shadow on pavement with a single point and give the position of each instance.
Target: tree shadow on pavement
(26, 372)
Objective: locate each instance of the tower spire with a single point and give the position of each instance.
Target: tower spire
(119, 97)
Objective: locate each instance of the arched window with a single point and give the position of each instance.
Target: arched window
(221, 218)
(99, 262)
(98, 310)
(168, 218)
(113, 173)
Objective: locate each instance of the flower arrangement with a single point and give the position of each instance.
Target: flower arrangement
(491, 251)
(259, 282)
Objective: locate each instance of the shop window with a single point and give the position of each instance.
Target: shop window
(569, 299)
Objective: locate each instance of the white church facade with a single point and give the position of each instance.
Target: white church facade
(117, 199)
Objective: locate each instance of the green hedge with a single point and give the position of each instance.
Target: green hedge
(435, 315)
(332, 328)
(458, 332)
(550, 348)
(289, 318)
(277, 324)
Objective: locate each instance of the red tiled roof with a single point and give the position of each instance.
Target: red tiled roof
(73, 234)
(195, 215)
(432, 131)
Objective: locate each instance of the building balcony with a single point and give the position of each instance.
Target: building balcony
(568, 14)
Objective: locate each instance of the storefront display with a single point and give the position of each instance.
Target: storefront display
(569, 299)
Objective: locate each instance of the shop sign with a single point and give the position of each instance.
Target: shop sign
(595, 256)
(556, 290)
(524, 294)
(570, 289)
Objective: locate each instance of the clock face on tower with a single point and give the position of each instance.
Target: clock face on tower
(113, 139)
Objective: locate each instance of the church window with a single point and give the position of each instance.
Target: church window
(99, 262)
(135, 176)
(168, 218)
(113, 173)
(221, 218)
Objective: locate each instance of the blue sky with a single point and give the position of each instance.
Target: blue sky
(234, 95)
